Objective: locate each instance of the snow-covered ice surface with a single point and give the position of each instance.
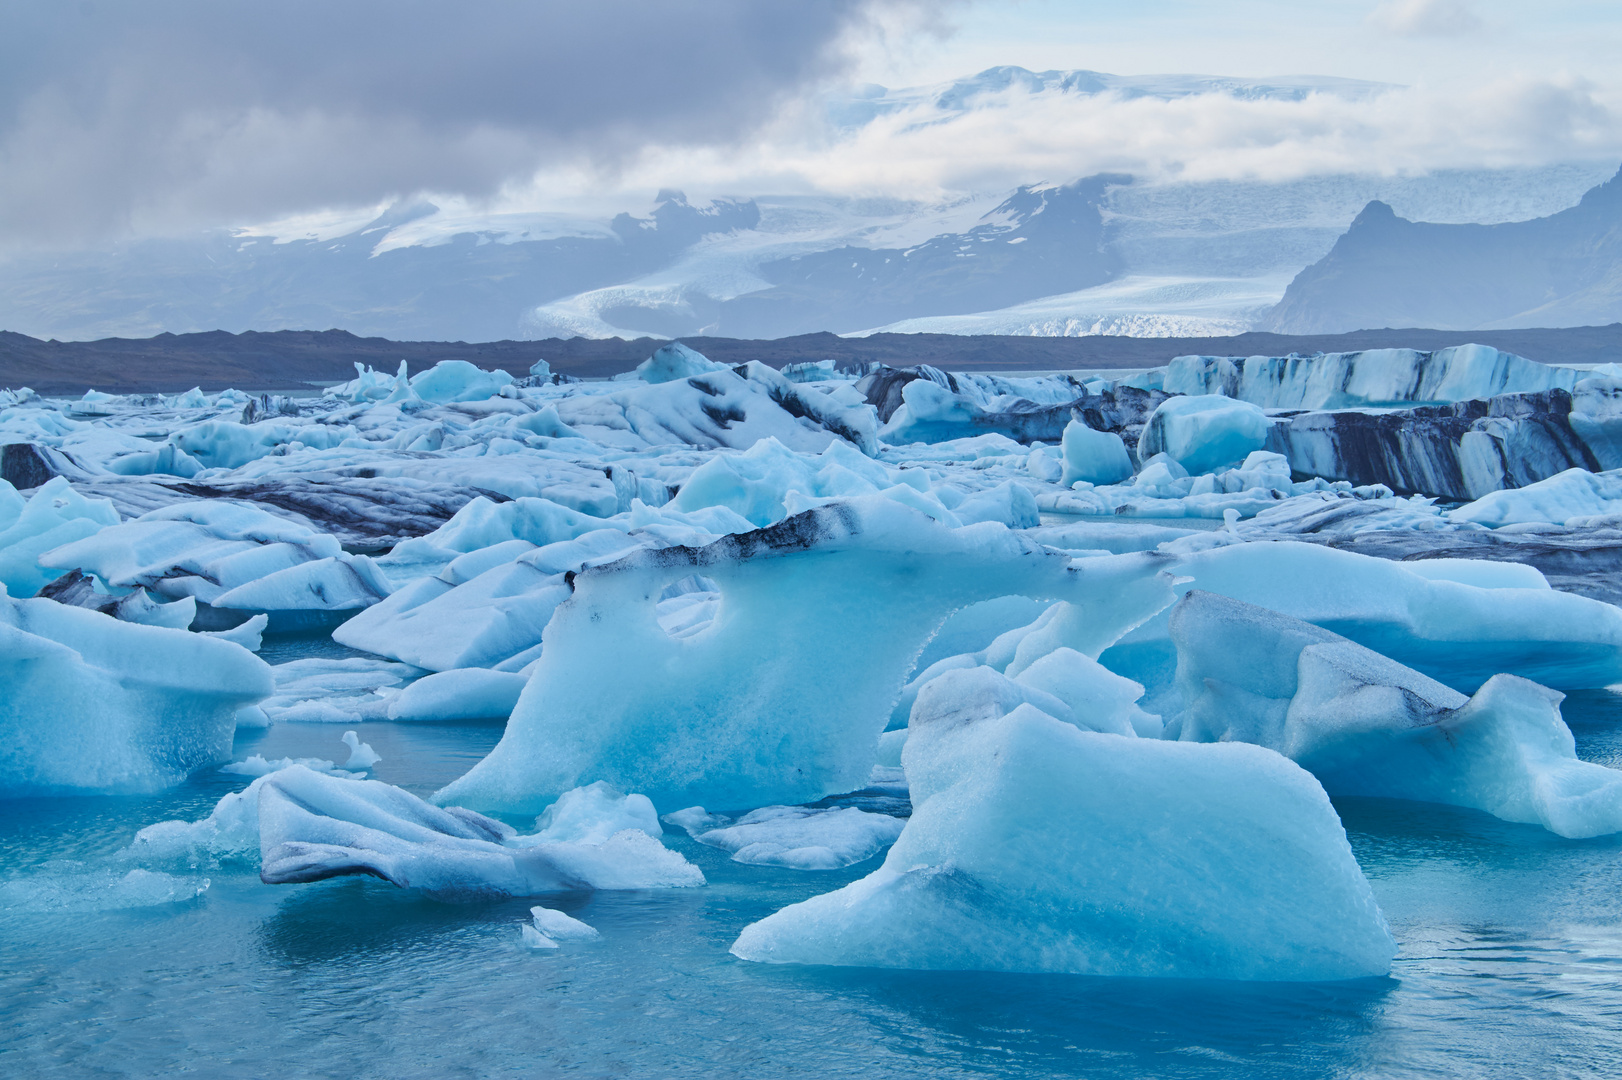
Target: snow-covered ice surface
(900, 659)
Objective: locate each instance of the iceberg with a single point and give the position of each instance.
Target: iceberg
(1098, 457)
(347, 691)
(797, 837)
(1459, 634)
(54, 515)
(1035, 846)
(1204, 434)
(305, 825)
(1366, 725)
(313, 827)
(675, 361)
(462, 694)
(614, 697)
(1371, 377)
(1575, 497)
(457, 380)
(209, 549)
(547, 927)
(93, 705)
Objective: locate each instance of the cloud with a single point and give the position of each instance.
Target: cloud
(119, 117)
(1425, 18)
(1014, 137)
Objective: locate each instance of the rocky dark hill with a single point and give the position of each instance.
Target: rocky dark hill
(301, 359)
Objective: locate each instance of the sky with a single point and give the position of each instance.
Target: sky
(120, 120)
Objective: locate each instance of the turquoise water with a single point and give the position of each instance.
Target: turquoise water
(1510, 965)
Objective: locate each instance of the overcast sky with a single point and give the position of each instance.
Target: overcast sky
(120, 119)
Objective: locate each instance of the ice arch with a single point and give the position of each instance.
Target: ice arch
(783, 697)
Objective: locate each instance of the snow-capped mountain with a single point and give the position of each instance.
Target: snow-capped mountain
(1101, 254)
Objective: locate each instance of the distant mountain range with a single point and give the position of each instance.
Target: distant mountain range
(1560, 270)
(1103, 255)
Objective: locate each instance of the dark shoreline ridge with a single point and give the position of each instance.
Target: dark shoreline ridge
(294, 359)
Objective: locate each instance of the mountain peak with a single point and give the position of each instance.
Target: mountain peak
(1375, 213)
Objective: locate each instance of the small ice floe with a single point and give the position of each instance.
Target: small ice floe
(797, 837)
(361, 755)
(548, 927)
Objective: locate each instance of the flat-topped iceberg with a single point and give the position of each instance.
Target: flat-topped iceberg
(1370, 377)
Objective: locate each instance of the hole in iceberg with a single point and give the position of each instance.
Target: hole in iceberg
(687, 607)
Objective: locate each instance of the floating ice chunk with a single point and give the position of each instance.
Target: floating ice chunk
(483, 524)
(257, 765)
(1370, 377)
(1035, 846)
(337, 584)
(224, 444)
(548, 926)
(592, 814)
(54, 515)
(201, 548)
(91, 704)
(695, 819)
(169, 460)
(1565, 497)
(231, 829)
(458, 380)
(313, 827)
(1204, 433)
(433, 624)
(715, 718)
(560, 927)
(361, 755)
(462, 694)
(544, 422)
(1459, 634)
(250, 635)
(1366, 725)
(176, 615)
(1098, 457)
(809, 371)
(540, 369)
(720, 408)
(322, 691)
(804, 837)
(675, 361)
(1042, 464)
(1008, 503)
(891, 744)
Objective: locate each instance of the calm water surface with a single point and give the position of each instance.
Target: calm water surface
(1510, 965)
